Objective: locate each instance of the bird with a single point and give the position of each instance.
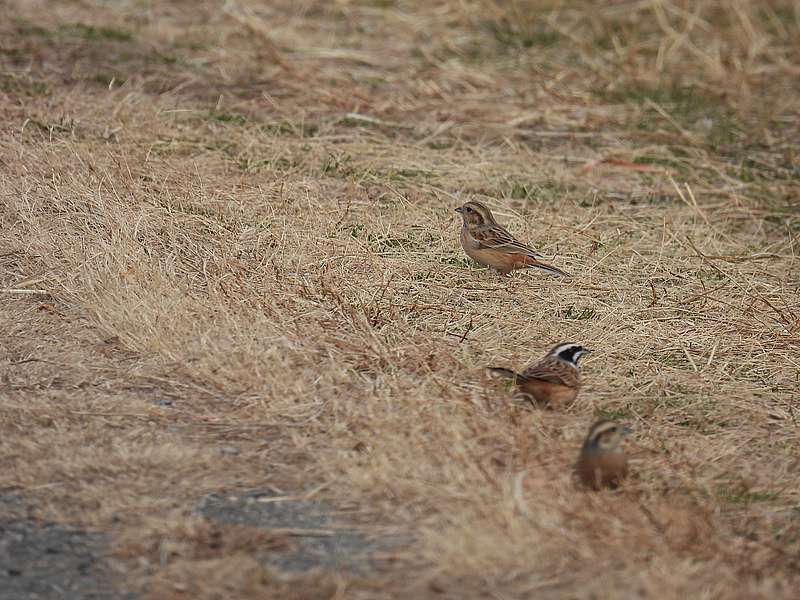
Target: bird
(489, 244)
(554, 380)
(602, 463)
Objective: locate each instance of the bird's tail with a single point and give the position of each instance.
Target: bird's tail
(505, 373)
(533, 262)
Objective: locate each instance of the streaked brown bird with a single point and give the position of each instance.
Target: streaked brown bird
(602, 463)
(489, 244)
(553, 381)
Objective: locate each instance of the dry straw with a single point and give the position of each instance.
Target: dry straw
(247, 211)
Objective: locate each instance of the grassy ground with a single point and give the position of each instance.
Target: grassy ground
(231, 225)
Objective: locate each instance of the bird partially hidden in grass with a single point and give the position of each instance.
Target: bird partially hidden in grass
(602, 463)
(491, 245)
(552, 382)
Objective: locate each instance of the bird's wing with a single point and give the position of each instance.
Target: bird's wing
(495, 237)
(553, 371)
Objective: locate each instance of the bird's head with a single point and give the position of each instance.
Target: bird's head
(475, 213)
(569, 352)
(605, 436)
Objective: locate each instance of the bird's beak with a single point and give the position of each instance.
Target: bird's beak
(626, 430)
(460, 209)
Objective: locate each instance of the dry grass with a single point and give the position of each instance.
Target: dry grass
(247, 210)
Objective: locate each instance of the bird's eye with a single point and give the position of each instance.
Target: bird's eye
(469, 209)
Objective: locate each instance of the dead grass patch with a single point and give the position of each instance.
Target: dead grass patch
(233, 226)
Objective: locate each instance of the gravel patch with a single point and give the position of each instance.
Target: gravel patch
(48, 560)
(320, 539)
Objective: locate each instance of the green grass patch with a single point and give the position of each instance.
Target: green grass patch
(378, 3)
(656, 198)
(669, 164)
(615, 413)
(255, 165)
(440, 144)
(391, 244)
(522, 191)
(24, 27)
(730, 495)
(288, 128)
(515, 36)
(779, 19)
(406, 174)
(577, 314)
(672, 359)
(357, 123)
(21, 85)
(394, 245)
(105, 79)
(226, 117)
(753, 171)
(694, 110)
(789, 221)
(540, 191)
(338, 165)
(709, 275)
(357, 229)
(95, 33)
(62, 125)
(455, 260)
